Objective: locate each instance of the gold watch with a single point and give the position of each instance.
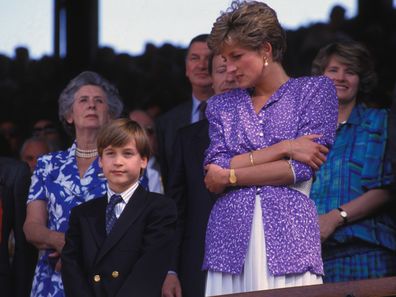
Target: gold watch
(232, 178)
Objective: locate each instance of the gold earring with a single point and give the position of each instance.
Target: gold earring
(265, 61)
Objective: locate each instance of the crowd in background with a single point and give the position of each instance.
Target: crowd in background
(155, 80)
(153, 88)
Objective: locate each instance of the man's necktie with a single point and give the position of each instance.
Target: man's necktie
(110, 213)
(144, 181)
(202, 108)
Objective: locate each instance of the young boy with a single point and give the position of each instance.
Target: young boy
(121, 244)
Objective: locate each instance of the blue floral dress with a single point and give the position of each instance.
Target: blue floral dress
(56, 181)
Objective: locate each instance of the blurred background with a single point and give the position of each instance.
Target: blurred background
(140, 47)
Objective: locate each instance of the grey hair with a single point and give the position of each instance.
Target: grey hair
(34, 139)
(66, 98)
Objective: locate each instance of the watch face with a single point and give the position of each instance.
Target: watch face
(343, 214)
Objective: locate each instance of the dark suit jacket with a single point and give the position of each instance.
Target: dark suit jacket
(132, 260)
(15, 278)
(167, 126)
(194, 202)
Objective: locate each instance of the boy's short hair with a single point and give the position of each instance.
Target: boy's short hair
(119, 132)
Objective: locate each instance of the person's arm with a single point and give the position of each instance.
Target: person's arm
(36, 230)
(318, 116)
(38, 234)
(302, 149)
(147, 275)
(274, 173)
(359, 208)
(74, 280)
(177, 191)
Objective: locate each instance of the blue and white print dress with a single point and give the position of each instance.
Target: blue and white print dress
(56, 180)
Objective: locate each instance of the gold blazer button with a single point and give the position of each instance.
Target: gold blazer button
(96, 278)
(115, 274)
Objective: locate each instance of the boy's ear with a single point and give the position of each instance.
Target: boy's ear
(143, 162)
(100, 162)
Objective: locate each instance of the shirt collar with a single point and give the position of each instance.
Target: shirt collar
(356, 116)
(195, 103)
(126, 195)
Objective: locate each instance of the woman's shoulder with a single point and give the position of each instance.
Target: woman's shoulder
(320, 81)
(319, 89)
(373, 117)
(231, 97)
(54, 159)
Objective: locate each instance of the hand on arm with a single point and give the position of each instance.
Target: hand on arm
(36, 230)
(171, 286)
(359, 208)
(273, 173)
(302, 149)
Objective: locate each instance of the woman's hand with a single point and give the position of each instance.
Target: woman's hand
(328, 223)
(305, 150)
(216, 178)
(55, 256)
(58, 240)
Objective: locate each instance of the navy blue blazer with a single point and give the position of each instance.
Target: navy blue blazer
(132, 260)
(167, 126)
(194, 203)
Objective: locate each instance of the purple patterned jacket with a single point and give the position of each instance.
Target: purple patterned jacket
(299, 107)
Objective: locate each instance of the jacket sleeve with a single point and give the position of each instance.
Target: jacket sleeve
(319, 114)
(147, 275)
(75, 281)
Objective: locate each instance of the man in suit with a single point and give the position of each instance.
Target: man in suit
(15, 276)
(194, 203)
(121, 244)
(188, 112)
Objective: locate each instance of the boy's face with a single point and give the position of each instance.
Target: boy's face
(122, 166)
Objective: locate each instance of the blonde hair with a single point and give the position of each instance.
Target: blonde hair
(250, 25)
(119, 132)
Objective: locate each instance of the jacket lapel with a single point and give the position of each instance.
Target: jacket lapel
(131, 212)
(96, 221)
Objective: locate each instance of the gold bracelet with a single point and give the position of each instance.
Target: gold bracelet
(289, 163)
(251, 158)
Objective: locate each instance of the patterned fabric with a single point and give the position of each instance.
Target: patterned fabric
(144, 181)
(255, 275)
(56, 181)
(355, 165)
(111, 217)
(300, 106)
(375, 263)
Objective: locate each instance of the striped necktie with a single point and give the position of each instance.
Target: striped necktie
(110, 213)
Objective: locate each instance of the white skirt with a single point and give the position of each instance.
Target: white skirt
(255, 275)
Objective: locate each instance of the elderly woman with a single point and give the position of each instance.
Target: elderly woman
(351, 188)
(263, 231)
(68, 178)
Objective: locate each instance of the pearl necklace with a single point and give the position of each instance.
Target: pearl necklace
(86, 154)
